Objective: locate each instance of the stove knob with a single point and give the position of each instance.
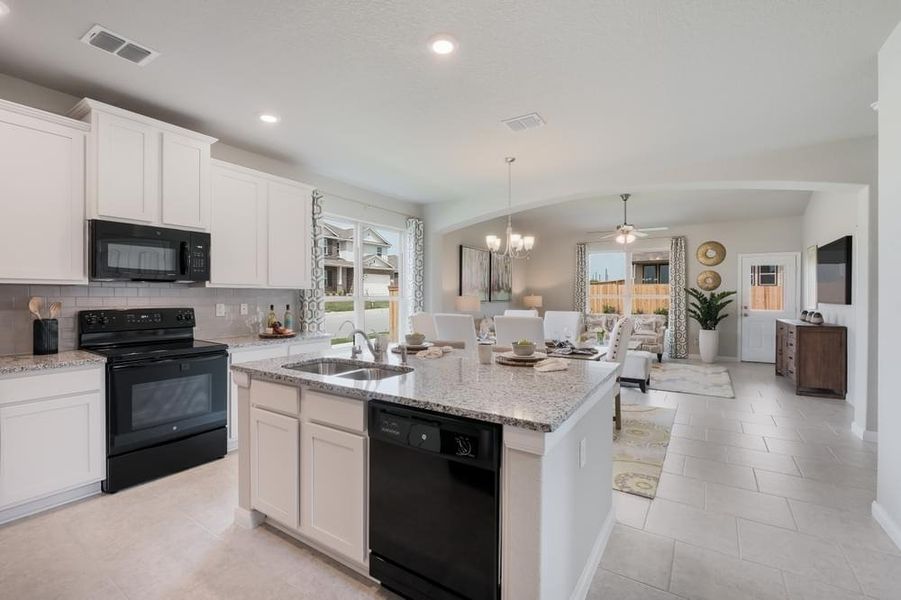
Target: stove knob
(179, 317)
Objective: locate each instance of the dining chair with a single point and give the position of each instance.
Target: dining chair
(616, 353)
(512, 312)
(562, 324)
(424, 323)
(453, 327)
(512, 329)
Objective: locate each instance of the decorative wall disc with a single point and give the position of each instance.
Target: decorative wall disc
(711, 253)
(709, 280)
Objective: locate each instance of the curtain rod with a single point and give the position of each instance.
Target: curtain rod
(365, 205)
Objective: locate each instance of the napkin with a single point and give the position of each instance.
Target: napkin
(551, 364)
(434, 352)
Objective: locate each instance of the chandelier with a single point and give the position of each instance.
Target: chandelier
(517, 245)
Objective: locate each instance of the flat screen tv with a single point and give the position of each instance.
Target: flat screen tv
(834, 272)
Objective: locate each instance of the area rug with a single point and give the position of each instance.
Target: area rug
(703, 380)
(640, 447)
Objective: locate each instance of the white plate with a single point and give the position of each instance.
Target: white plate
(536, 356)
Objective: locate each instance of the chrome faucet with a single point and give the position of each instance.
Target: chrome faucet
(378, 353)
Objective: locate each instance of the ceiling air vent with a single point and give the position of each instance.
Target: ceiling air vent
(117, 44)
(523, 122)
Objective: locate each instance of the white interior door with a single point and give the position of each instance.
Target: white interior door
(769, 291)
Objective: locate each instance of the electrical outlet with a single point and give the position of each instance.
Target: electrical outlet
(583, 454)
(244, 309)
(220, 310)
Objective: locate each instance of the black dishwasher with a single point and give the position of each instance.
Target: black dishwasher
(434, 510)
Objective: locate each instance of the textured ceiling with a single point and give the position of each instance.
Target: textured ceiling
(620, 83)
(663, 209)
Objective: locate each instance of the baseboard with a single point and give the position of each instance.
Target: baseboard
(248, 519)
(864, 434)
(718, 358)
(594, 559)
(892, 528)
(36, 506)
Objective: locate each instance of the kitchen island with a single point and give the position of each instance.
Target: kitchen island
(555, 457)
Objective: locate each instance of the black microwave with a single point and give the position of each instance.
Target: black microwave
(125, 252)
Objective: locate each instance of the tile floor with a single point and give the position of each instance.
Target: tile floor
(764, 496)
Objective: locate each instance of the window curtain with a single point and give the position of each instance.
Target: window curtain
(580, 293)
(312, 301)
(678, 318)
(414, 266)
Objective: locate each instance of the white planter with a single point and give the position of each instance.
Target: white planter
(709, 341)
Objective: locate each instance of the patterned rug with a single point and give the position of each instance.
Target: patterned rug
(703, 380)
(640, 447)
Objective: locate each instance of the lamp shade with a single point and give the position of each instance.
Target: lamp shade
(467, 304)
(532, 301)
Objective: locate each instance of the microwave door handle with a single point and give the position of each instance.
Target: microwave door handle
(184, 258)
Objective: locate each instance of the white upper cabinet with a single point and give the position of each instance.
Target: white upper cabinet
(140, 170)
(41, 197)
(186, 181)
(238, 228)
(290, 235)
(261, 229)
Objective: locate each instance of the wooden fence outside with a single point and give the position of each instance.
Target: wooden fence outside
(767, 297)
(646, 297)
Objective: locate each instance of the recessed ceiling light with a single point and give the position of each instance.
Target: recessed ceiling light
(442, 44)
(4, 9)
(269, 118)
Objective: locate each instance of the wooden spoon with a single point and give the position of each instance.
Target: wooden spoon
(35, 305)
(55, 309)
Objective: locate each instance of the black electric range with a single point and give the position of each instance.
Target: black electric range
(166, 393)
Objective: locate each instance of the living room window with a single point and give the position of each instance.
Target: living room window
(362, 278)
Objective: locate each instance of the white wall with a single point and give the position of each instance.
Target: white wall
(448, 266)
(828, 217)
(887, 508)
(551, 271)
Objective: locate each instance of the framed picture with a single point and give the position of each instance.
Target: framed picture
(475, 269)
(501, 278)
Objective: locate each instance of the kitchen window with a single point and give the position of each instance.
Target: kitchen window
(363, 263)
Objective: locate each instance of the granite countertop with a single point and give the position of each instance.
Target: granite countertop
(24, 363)
(458, 385)
(250, 341)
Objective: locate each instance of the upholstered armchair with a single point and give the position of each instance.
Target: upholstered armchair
(650, 330)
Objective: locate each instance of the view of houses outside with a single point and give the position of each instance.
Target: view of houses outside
(379, 281)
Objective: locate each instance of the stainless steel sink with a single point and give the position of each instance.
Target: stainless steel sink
(325, 366)
(375, 373)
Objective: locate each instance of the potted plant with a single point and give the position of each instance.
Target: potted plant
(707, 310)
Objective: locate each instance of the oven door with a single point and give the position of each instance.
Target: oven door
(157, 401)
(135, 252)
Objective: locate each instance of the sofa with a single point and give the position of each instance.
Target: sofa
(650, 330)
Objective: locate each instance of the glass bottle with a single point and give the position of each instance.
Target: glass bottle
(271, 318)
(288, 321)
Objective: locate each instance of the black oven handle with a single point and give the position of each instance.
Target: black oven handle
(162, 361)
(184, 257)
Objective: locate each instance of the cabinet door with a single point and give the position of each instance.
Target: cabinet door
(238, 229)
(274, 466)
(128, 169)
(42, 229)
(333, 481)
(185, 182)
(49, 446)
(290, 235)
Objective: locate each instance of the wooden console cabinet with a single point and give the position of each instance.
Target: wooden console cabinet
(814, 357)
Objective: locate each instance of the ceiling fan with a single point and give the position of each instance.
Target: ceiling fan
(627, 233)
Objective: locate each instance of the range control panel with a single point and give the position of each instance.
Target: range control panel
(135, 319)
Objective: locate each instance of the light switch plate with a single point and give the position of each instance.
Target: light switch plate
(243, 309)
(582, 453)
(220, 310)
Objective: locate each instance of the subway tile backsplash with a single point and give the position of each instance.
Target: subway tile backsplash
(15, 320)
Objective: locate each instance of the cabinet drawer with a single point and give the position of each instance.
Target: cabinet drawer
(46, 385)
(272, 396)
(336, 411)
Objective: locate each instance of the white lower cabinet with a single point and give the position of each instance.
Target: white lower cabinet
(275, 467)
(49, 445)
(333, 489)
